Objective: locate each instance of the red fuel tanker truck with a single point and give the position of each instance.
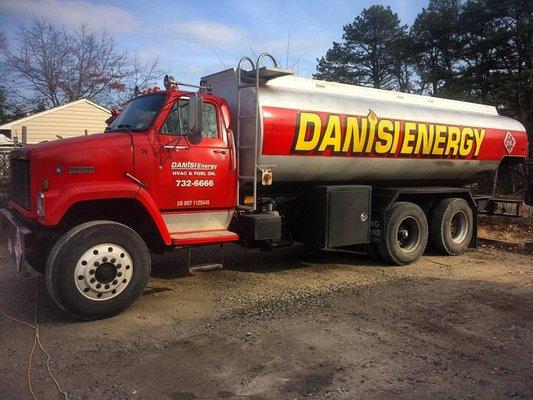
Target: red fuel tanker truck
(257, 156)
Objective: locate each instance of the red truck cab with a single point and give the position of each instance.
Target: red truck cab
(163, 175)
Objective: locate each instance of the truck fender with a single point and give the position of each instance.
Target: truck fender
(58, 202)
(147, 201)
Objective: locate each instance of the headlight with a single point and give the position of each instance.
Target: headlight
(40, 204)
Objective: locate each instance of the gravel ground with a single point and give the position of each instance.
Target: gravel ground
(295, 323)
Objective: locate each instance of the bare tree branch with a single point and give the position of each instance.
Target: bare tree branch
(58, 66)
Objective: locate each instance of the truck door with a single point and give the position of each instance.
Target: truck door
(192, 176)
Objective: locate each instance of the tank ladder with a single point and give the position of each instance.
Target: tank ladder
(252, 78)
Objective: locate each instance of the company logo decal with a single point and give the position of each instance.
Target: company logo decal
(347, 135)
(191, 165)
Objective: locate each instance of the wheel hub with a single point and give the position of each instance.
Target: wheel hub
(459, 227)
(103, 271)
(408, 234)
(106, 272)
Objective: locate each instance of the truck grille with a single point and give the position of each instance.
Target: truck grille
(19, 183)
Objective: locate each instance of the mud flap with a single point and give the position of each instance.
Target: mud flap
(16, 233)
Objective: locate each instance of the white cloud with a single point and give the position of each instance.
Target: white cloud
(71, 13)
(210, 33)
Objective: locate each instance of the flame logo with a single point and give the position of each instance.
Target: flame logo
(372, 117)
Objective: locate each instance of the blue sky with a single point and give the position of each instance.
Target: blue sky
(196, 38)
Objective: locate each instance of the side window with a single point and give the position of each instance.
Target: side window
(177, 120)
(210, 122)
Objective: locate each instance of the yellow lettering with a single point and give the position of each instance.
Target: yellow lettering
(332, 136)
(466, 142)
(303, 143)
(454, 137)
(382, 136)
(364, 131)
(372, 120)
(424, 140)
(353, 134)
(408, 137)
(479, 135)
(440, 130)
(397, 130)
(385, 136)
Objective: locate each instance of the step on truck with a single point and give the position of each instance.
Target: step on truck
(253, 155)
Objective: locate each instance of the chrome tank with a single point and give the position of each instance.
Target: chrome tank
(290, 92)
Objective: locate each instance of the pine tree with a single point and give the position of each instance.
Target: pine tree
(368, 54)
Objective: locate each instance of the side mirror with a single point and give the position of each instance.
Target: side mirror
(196, 115)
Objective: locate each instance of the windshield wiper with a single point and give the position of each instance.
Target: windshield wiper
(124, 127)
(119, 127)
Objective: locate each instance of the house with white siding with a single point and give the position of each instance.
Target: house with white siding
(77, 118)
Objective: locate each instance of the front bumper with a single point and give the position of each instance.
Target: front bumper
(16, 232)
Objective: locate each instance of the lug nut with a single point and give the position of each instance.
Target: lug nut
(104, 259)
(95, 252)
(107, 286)
(124, 280)
(119, 274)
(80, 277)
(98, 286)
(93, 280)
(110, 249)
(99, 295)
(86, 289)
(84, 262)
(115, 282)
(113, 260)
(96, 263)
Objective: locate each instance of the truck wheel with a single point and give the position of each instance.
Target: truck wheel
(97, 269)
(405, 233)
(452, 226)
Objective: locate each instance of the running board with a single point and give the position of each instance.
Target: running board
(204, 237)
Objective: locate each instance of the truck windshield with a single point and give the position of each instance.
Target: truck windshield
(139, 113)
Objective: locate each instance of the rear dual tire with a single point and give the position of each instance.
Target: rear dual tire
(97, 269)
(452, 226)
(404, 235)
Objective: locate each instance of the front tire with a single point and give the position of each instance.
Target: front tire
(404, 234)
(452, 226)
(97, 269)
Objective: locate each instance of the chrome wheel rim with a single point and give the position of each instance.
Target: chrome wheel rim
(408, 234)
(103, 272)
(459, 227)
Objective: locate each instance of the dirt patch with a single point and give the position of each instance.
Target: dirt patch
(291, 324)
(508, 231)
(505, 233)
